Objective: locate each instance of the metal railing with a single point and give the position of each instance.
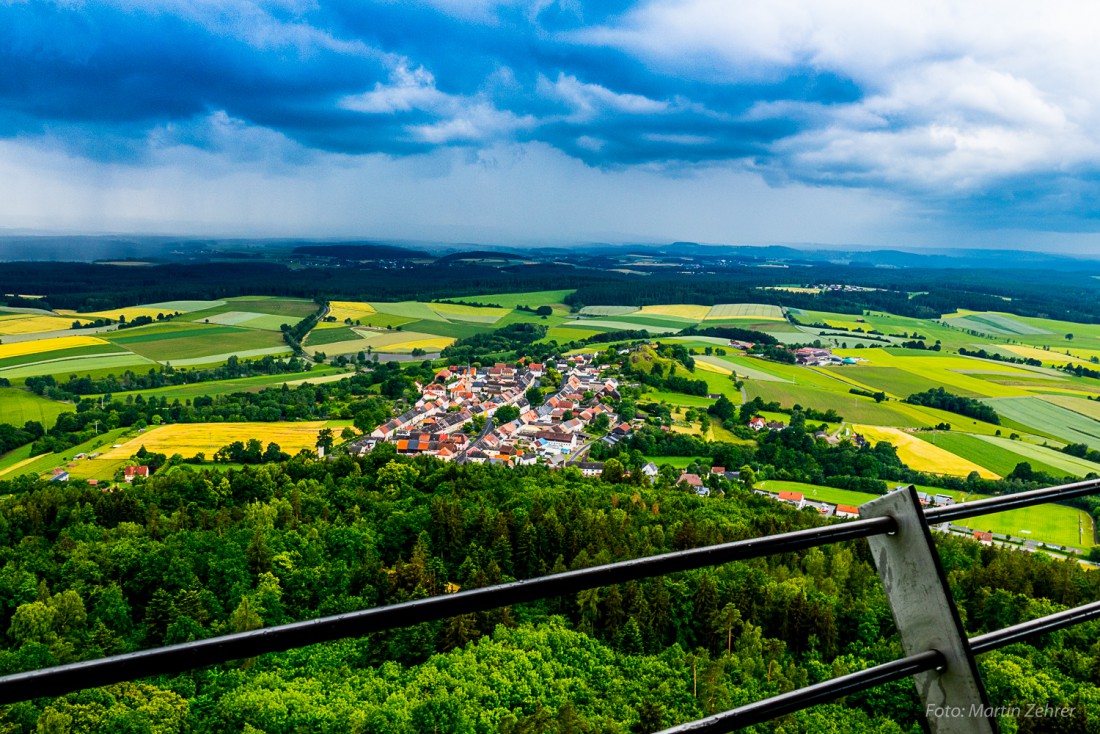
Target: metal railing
(896, 527)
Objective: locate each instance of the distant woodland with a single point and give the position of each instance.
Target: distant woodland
(917, 292)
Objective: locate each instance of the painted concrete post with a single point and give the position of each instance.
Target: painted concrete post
(953, 700)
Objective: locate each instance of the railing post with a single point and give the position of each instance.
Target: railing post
(952, 699)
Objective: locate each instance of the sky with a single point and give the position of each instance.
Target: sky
(846, 122)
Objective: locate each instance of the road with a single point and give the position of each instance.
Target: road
(473, 444)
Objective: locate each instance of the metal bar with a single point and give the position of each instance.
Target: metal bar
(788, 703)
(962, 511)
(64, 679)
(927, 618)
(1027, 630)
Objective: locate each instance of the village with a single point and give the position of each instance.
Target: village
(556, 432)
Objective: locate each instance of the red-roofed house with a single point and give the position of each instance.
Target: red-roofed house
(794, 498)
(985, 538)
(847, 511)
(135, 471)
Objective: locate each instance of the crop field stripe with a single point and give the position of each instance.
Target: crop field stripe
(186, 349)
(992, 456)
(689, 312)
(533, 299)
(1049, 419)
(185, 306)
(140, 337)
(713, 364)
(36, 324)
(318, 337)
(745, 311)
(923, 456)
(43, 346)
(1087, 408)
(408, 309)
(1042, 454)
(456, 330)
(608, 310)
(78, 365)
(611, 325)
(241, 354)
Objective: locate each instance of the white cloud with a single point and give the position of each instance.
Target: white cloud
(589, 100)
(409, 89)
(960, 94)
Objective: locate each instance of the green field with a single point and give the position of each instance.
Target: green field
(160, 332)
(412, 310)
(320, 337)
(1042, 455)
(215, 340)
(446, 328)
(47, 462)
(648, 321)
(680, 462)
(19, 406)
(820, 494)
(615, 325)
(1055, 524)
(892, 380)
(185, 306)
(598, 311)
(1048, 419)
(291, 307)
(79, 366)
(993, 456)
(242, 384)
(532, 299)
(563, 334)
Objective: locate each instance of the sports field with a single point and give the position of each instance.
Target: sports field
(1055, 524)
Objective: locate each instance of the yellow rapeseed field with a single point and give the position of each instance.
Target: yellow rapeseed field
(921, 455)
(428, 345)
(190, 438)
(41, 346)
(679, 310)
(348, 310)
(713, 364)
(34, 324)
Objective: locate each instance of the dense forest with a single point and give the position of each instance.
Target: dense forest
(918, 292)
(187, 555)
